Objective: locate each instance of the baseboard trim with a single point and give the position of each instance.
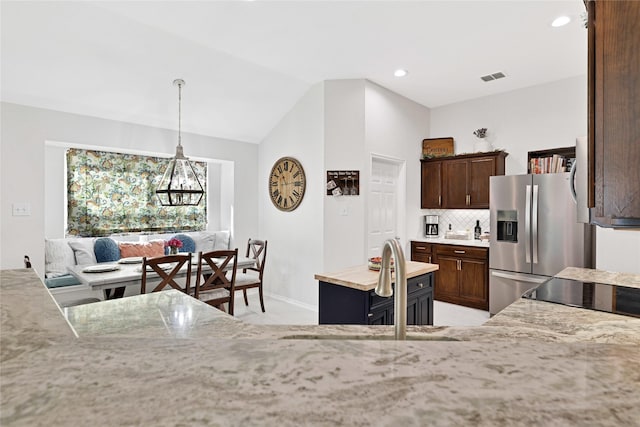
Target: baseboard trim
(293, 302)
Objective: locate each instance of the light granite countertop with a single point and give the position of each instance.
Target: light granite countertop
(629, 280)
(166, 359)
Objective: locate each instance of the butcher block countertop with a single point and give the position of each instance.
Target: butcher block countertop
(361, 278)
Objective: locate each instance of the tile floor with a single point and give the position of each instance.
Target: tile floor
(279, 312)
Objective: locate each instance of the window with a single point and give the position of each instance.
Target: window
(115, 193)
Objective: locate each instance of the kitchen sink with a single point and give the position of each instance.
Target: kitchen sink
(367, 337)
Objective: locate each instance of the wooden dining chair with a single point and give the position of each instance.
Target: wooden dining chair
(215, 285)
(256, 249)
(167, 267)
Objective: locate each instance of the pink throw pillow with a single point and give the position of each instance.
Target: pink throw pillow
(149, 249)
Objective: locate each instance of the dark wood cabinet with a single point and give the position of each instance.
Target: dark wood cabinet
(474, 282)
(447, 282)
(421, 252)
(455, 179)
(463, 274)
(460, 182)
(614, 112)
(431, 178)
(343, 305)
(478, 173)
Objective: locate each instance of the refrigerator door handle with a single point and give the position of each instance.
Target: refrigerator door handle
(527, 225)
(534, 224)
(572, 182)
(518, 277)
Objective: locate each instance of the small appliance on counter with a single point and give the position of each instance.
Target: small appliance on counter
(431, 225)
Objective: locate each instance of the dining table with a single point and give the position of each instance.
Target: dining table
(117, 275)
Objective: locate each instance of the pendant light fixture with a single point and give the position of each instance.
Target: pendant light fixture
(180, 185)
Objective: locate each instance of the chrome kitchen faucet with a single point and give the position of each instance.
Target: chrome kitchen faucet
(384, 288)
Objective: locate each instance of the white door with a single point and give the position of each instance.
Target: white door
(383, 204)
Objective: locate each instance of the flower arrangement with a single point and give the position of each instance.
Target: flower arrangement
(173, 245)
(480, 133)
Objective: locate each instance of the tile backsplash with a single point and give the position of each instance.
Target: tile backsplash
(460, 219)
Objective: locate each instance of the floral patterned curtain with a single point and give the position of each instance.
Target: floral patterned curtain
(115, 193)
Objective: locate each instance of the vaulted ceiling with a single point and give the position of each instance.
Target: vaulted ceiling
(246, 63)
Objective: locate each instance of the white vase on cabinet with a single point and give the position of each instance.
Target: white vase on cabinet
(482, 146)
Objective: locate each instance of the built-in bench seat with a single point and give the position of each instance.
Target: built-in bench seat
(63, 253)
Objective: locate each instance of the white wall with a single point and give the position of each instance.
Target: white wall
(344, 149)
(535, 118)
(618, 250)
(335, 126)
(295, 239)
(361, 119)
(395, 127)
(24, 132)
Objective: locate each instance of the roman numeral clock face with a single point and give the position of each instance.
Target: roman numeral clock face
(287, 184)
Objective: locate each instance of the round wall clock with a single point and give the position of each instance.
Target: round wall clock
(287, 183)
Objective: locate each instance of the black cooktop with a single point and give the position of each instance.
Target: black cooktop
(593, 296)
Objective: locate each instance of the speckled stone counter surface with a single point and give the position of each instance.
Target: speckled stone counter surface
(204, 368)
(601, 276)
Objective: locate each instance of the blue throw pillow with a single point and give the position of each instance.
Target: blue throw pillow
(106, 250)
(188, 244)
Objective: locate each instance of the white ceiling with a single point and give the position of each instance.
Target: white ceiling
(246, 63)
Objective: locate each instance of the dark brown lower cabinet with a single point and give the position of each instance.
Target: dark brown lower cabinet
(463, 274)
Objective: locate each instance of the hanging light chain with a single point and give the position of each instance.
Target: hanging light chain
(179, 83)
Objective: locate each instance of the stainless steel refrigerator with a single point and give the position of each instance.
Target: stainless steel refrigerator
(534, 234)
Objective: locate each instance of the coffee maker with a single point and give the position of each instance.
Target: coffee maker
(431, 225)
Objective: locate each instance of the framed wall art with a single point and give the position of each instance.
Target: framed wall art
(343, 183)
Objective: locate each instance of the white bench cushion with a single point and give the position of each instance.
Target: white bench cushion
(83, 250)
(58, 255)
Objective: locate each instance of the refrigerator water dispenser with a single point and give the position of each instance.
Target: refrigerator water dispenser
(507, 226)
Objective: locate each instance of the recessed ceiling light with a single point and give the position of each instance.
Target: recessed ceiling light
(560, 21)
(400, 73)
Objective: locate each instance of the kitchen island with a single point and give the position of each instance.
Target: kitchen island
(348, 297)
(126, 362)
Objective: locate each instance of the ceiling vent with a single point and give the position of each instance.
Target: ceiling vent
(494, 76)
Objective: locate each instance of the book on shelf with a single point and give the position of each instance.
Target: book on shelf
(555, 163)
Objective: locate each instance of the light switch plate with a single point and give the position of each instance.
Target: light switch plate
(21, 209)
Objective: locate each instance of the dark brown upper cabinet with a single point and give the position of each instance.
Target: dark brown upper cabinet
(460, 182)
(431, 194)
(614, 112)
